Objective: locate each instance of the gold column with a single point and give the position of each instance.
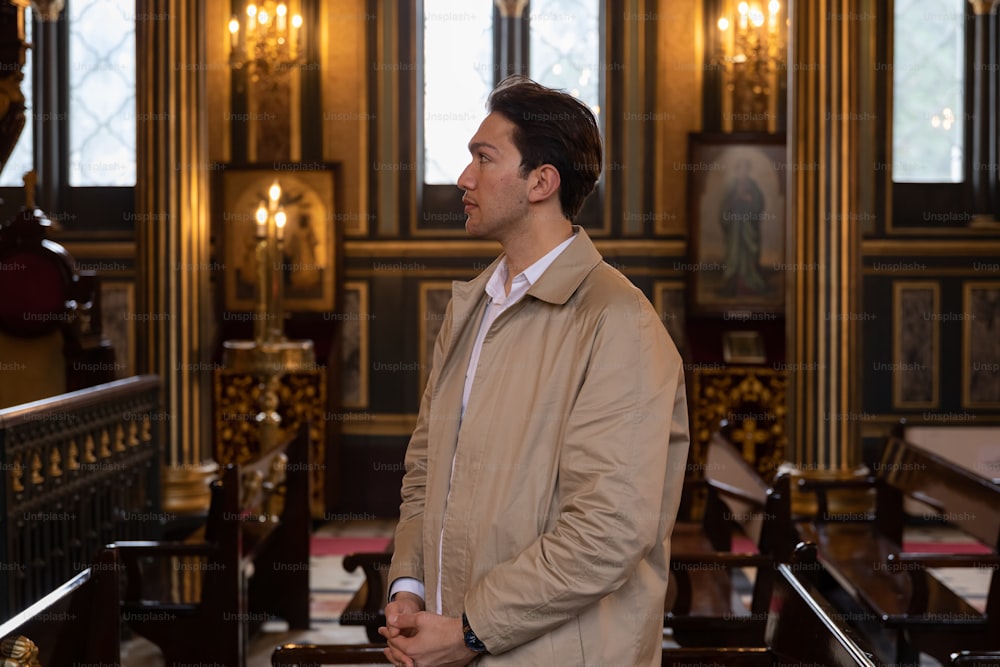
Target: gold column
(173, 243)
(828, 123)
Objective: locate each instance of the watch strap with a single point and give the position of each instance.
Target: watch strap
(471, 640)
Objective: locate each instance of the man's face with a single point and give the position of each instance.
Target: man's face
(496, 197)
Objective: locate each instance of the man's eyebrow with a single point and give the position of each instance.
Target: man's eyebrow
(476, 145)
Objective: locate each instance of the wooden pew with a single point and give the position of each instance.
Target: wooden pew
(367, 607)
(699, 609)
(866, 554)
(976, 659)
(199, 601)
(802, 629)
(76, 624)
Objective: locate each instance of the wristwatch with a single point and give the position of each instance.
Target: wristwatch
(471, 640)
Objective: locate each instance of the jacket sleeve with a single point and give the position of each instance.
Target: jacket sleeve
(407, 558)
(612, 473)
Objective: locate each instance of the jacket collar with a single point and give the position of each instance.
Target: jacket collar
(555, 286)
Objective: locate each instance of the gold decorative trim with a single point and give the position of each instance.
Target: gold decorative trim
(102, 250)
(931, 248)
(470, 248)
(674, 322)
(364, 311)
(753, 401)
(380, 425)
(900, 362)
(969, 318)
(428, 333)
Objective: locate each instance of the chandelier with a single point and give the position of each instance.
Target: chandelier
(265, 40)
(752, 57)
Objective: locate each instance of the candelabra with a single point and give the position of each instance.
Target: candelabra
(269, 318)
(265, 39)
(752, 55)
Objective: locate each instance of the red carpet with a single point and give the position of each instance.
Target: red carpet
(340, 546)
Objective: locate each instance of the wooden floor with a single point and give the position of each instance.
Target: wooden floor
(333, 586)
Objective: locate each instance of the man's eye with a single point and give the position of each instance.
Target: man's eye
(483, 158)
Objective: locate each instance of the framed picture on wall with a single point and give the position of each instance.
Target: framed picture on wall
(308, 249)
(736, 235)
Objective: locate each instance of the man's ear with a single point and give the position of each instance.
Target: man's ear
(545, 181)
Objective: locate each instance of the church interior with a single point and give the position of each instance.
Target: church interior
(228, 235)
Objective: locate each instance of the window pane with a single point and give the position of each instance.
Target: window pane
(458, 76)
(22, 160)
(102, 92)
(564, 47)
(928, 88)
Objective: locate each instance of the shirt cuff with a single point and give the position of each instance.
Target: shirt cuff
(409, 585)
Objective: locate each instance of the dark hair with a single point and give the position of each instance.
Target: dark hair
(552, 127)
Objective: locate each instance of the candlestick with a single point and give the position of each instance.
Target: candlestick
(294, 47)
(279, 223)
(282, 12)
(234, 33)
(261, 217)
(263, 311)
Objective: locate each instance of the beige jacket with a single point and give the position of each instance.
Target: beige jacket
(567, 472)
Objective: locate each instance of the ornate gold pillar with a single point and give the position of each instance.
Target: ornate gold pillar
(174, 291)
(828, 123)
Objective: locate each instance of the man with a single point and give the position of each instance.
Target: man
(545, 469)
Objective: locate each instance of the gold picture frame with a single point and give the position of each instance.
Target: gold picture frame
(736, 238)
(310, 237)
(743, 347)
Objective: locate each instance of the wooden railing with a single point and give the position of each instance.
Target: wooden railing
(77, 471)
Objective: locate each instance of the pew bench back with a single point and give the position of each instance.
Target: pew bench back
(252, 564)
(76, 624)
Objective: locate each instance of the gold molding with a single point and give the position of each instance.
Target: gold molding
(898, 375)
(983, 7)
(472, 248)
(364, 311)
(967, 320)
(931, 248)
(380, 425)
(111, 249)
(425, 343)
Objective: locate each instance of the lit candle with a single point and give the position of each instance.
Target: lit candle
(274, 194)
(261, 221)
(279, 223)
(252, 18)
(296, 24)
(234, 33)
(282, 12)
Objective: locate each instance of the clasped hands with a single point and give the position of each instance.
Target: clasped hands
(418, 638)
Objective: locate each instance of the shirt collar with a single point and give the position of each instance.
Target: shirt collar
(495, 286)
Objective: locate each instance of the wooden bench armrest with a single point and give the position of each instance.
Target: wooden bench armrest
(734, 492)
(805, 484)
(149, 548)
(718, 560)
(731, 657)
(976, 659)
(130, 551)
(682, 565)
(289, 655)
(912, 560)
